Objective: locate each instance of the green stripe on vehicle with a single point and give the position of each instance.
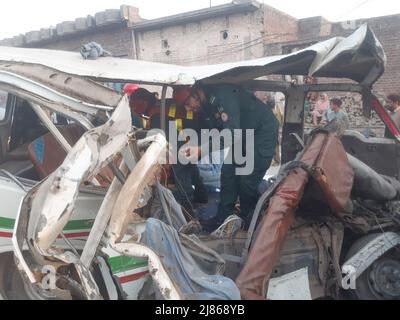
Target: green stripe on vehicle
(79, 225)
(124, 263)
(6, 223)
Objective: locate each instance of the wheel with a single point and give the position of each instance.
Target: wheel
(381, 280)
(14, 287)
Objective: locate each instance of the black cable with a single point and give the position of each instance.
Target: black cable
(177, 182)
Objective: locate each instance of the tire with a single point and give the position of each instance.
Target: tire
(365, 287)
(366, 290)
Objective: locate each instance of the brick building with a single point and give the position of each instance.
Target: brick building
(243, 29)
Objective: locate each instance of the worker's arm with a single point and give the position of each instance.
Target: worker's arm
(229, 110)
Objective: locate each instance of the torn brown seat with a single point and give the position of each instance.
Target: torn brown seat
(47, 154)
(327, 162)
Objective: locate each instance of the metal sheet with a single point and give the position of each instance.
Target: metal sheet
(54, 200)
(291, 286)
(50, 204)
(320, 59)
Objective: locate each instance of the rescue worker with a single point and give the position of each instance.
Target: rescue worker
(232, 107)
(148, 107)
(130, 89)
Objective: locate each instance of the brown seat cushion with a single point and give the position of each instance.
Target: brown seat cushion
(47, 154)
(327, 160)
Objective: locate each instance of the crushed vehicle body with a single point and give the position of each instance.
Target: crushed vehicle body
(331, 216)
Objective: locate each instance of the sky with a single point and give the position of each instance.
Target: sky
(21, 16)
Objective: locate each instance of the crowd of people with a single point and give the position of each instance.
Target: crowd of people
(324, 109)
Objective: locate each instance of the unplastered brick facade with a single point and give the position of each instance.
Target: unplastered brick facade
(215, 40)
(117, 40)
(238, 31)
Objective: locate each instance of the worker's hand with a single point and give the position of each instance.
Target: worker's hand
(191, 153)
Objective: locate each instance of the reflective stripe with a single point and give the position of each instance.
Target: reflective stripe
(146, 123)
(172, 111)
(179, 124)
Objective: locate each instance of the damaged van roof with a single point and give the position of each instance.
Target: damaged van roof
(359, 57)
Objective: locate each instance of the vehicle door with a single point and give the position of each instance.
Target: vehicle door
(7, 103)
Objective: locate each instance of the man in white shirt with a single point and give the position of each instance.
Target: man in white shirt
(393, 105)
(280, 102)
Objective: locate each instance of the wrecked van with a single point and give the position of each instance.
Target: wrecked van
(88, 216)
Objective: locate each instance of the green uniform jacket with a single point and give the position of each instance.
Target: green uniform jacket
(236, 108)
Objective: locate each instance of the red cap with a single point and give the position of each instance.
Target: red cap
(130, 88)
(181, 94)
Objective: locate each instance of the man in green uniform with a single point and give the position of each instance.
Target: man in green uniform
(235, 109)
(148, 107)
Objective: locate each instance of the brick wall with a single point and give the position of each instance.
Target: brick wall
(313, 28)
(117, 40)
(203, 42)
(278, 26)
(227, 38)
